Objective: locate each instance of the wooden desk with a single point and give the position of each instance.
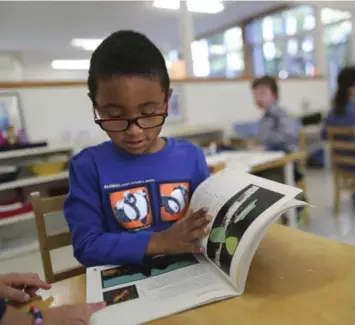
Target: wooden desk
(295, 278)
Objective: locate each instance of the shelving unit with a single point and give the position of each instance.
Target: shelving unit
(25, 241)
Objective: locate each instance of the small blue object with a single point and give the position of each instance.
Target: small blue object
(37, 315)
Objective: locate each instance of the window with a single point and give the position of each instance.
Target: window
(300, 56)
(200, 61)
(330, 15)
(337, 33)
(337, 39)
(282, 43)
(299, 19)
(220, 55)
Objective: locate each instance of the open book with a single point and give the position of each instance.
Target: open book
(243, 206)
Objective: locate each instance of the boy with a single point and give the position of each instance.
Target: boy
(277, 130)
(128, 197)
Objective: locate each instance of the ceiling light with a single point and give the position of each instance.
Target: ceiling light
(71, 64)
(88, 44)
(200, 6)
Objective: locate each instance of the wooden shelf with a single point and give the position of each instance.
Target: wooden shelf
(33, 180)
(17, 247)
(21, 217)
(33, 152)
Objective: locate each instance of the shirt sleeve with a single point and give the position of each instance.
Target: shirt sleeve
(92, 242)
(283, 135)
(3, 307)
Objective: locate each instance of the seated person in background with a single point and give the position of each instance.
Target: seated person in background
(277, 130)
(128, 197)
(342, 113)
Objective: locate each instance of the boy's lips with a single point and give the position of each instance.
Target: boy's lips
(135, 144)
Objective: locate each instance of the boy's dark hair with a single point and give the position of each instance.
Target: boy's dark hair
(346, 80)
(127, 53)
(269, 82)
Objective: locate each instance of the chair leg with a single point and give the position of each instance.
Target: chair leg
(336, 197)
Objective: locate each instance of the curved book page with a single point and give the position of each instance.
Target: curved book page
(241, 205)
(250, 243)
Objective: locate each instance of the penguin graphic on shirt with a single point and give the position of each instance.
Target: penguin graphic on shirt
(176, 201)
(133, 207)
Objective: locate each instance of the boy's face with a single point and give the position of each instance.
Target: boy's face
(129, 97)
(264, 97)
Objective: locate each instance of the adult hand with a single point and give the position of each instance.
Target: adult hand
(71, 314)
(21, 287)
(182, 237)
(65, 315)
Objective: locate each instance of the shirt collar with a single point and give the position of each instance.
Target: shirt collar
(273, 110)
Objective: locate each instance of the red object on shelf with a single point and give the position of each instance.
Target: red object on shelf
(10, 201)
(27, 207)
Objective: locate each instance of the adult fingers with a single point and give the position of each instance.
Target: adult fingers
(29, 280)
(15, 295)
(93, 308)
(31, 290)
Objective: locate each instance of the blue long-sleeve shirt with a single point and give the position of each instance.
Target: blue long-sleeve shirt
(117, 200)
(2, 308)
(345, 120)
(279, 131)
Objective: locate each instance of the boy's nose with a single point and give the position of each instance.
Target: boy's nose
(134, 130)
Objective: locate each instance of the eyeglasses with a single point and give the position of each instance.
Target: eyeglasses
(119, 124)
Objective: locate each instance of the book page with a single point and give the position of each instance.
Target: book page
(137, 294)
(235, 200)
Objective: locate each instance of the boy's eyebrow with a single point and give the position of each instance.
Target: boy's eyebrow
(150, 103)
(108, 105)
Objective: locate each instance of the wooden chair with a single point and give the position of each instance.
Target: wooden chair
(42, 207)
(302, 146)
(344, 176)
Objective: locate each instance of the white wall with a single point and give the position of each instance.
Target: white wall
(52, 113)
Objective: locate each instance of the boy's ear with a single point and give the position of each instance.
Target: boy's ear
(170, 92)
(90, 96)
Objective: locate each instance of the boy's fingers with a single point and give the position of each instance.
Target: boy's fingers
(194, 248)
(199, 234)
(201, 222)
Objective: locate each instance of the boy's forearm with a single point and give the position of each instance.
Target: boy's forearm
(13, 316)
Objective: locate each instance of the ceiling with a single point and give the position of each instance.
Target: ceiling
(40, 31)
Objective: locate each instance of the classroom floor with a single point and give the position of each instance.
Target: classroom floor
(322, 222)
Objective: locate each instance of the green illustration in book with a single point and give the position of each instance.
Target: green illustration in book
(222, 235)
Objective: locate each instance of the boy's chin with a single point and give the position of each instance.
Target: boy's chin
(140, 150)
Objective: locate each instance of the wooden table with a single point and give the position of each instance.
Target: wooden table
(295, 278)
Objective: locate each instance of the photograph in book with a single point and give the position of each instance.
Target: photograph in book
(232, 221)
(134, 272)
(120, 295)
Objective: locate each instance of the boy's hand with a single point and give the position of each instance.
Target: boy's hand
(182, 237)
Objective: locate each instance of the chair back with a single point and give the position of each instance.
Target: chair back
(342, 147)
(42, 208)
